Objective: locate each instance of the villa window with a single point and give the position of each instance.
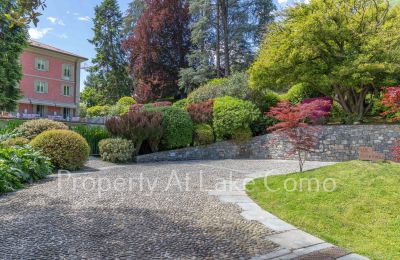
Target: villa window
(41, 87)
(67, 71)
(66, 90)
(42, 64)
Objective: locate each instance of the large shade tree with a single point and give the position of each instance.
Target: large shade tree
(345, 48)
(15, 17)
(109, 73)
(158, 48)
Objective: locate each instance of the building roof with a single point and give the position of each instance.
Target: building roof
(40, 45)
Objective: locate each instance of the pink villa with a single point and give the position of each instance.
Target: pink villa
(51, 82)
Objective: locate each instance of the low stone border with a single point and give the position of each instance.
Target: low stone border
(293, 242)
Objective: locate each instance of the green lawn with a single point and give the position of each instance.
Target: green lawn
(361, 215)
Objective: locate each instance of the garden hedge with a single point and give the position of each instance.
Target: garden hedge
(177, 127)
(232, 114)
(30, 129)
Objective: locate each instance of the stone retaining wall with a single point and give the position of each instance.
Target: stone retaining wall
(336, 143)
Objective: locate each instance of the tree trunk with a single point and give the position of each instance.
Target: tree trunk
(354, 103)
(218, 57)
(224, 8)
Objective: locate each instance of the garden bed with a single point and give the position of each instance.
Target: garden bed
(361, 215)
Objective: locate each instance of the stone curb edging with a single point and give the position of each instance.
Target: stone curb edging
(293, 243)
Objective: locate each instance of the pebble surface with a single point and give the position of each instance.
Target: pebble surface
(138, 211)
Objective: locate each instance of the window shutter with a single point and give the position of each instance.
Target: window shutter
(46, 65)
(71, 91)
(46, 87)
(35, 86)
(36, 63)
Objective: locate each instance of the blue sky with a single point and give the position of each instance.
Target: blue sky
(67, 25)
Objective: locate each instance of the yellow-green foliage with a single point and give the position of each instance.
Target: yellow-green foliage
(126, 101)
(203, 135)
(116, 150)
(30, 129)
(242, 134)
(98, 111)
(66, 149)
(232, 114)
(16, 141)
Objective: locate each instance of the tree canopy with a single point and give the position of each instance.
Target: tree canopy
(109, 73)
(15, 17)
(345, 48)
(158, 47)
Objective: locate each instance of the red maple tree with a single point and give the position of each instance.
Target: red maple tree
(294, 125)
(391, 101)
(157, 48)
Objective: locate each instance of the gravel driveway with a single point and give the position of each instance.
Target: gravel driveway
(138, 211)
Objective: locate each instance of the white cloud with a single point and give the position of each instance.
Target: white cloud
(55, 20)
(84, 18)
(282, 1)
(37, 34)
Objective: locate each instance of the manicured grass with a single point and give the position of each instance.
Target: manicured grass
(362, 214)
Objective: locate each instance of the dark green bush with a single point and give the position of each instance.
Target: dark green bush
(93, 135)
(231, 114)
(66, 149)
(19, 165)
(259, 127)
(177, 127)
(203, 135)
(299, 92)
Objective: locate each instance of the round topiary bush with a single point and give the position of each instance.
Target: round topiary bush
(116, 150)
(231, 114)
(66, 149)
(16, 141)
(126, 101)
(177, 127)
(30, 129)
(242, 134)
(203, 135)
(299, 92)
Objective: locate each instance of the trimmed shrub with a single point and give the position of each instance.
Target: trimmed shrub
(203, 135)
(177, 127)
(231, 114)
(30, 129)
(116, 150)
(138, 127)
(182, 104)
(260, 126)
(242, 134)
(234, 86)
(201, 112)
(19, 165)
(15, 141)
(126, 101)
(93, 135)
(161, 104)
(66, 149)
(299, 92)
(99, 111)
(264, 100)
